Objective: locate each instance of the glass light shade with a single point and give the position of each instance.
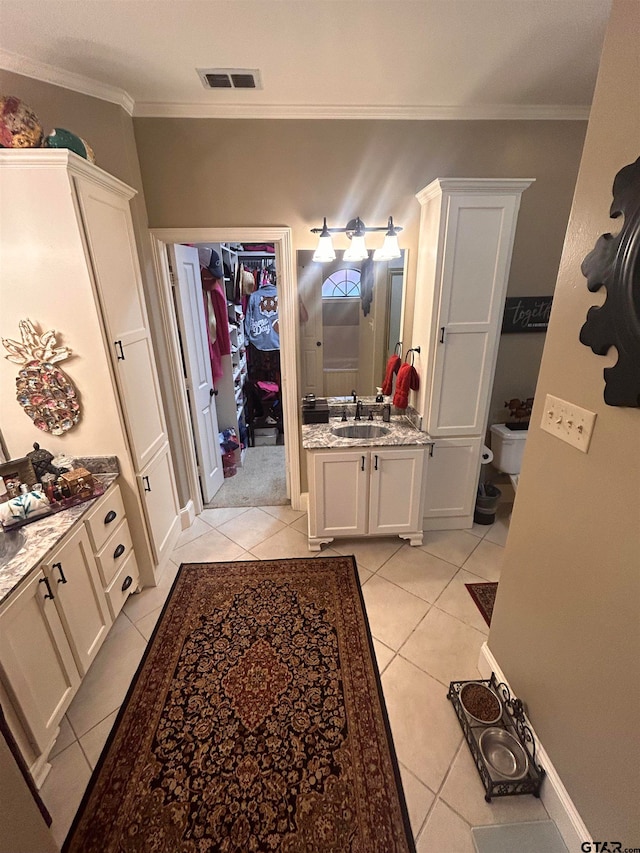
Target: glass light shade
(389, 249)
(324, 252)
(357, 251)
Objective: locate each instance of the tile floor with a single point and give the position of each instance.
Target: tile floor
(427, 632)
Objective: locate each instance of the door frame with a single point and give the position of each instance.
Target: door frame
(288, 307)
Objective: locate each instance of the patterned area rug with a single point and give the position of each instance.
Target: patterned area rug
(484, 595)
(255, 723)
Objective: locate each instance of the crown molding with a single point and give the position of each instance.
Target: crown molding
(66, 79)
(502, 112)
(376, 112)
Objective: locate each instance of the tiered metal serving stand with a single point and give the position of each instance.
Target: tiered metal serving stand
(513, 720)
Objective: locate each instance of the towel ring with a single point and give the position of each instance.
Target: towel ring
(413, 349)
(398, 349)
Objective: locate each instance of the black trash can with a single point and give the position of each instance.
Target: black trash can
(486, 503)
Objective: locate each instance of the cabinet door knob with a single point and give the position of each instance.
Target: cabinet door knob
(58, 566)
(119, 551)
(110, 516)
(49, 593)
(147, 487)
(126, 583)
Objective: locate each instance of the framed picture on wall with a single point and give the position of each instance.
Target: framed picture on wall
(526, 314)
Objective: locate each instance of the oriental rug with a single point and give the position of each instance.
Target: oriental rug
(484, 596)
(255, 722)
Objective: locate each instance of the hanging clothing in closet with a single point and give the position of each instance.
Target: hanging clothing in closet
(261, 322)
(215, 305)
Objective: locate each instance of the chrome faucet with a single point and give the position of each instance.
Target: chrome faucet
(358, 410)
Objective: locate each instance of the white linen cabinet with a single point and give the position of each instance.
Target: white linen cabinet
(69, 262)
(467, 230)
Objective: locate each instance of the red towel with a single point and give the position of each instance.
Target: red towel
(393, 366)
(407, 379)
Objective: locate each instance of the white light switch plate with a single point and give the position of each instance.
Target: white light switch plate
(568, 422)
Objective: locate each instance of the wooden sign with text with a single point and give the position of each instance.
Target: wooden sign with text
(526, 314)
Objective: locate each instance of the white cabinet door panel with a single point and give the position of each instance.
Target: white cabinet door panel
(36, 661)
(158, 491)
(396, 486)
(340, 493)
(451, 484)
(108, 232)
(79, 597)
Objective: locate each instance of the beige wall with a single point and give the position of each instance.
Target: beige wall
(565, 627)
(207, 172)
(108, 129)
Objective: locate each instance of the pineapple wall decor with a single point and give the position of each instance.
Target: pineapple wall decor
(45, 393)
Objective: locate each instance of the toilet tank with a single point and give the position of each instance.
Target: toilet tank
(507, 446)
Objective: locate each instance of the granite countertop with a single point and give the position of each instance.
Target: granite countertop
(42, 536)
(402, 431)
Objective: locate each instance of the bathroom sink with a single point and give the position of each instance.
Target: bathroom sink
(11, 541)
(359, 430)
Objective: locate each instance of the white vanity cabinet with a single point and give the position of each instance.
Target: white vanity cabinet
(69, 263)
(365, 491)
(53, 625)
(37, 665)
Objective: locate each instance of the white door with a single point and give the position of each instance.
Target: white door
(187, 284)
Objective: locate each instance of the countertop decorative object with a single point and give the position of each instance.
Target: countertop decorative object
(40, 537)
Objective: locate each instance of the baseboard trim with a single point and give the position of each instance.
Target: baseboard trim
(553, 793)
(187, 515)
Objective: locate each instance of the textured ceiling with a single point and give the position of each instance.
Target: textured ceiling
(333, 58)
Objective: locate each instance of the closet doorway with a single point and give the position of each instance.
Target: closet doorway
(262, 399)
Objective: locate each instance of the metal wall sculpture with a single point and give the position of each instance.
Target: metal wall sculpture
(614, 264)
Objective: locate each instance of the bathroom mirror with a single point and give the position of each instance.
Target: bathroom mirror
(350, 321)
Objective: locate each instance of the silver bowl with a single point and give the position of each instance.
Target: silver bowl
(504, 753)
(494, 697)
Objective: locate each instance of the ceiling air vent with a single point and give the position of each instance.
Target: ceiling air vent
(230, 78)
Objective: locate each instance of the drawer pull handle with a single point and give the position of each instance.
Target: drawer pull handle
(376, 464)
(58, 566)
(126, 583)
(442, 328)
(110, 516)
(49, 593)
(147, 486)
(362, 463)
(119, 551)
(119, 350)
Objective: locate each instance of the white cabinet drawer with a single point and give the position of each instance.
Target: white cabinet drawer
(123, 584)
(114, 552)
(104, 519)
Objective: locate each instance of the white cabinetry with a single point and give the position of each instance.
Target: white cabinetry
(37, 663)
(367, 491)
(53, 625)
(69, 263)
(450, 488)
(467, 229)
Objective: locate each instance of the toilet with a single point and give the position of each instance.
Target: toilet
(507, 446)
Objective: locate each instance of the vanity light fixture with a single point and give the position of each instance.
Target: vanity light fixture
(357, 251)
